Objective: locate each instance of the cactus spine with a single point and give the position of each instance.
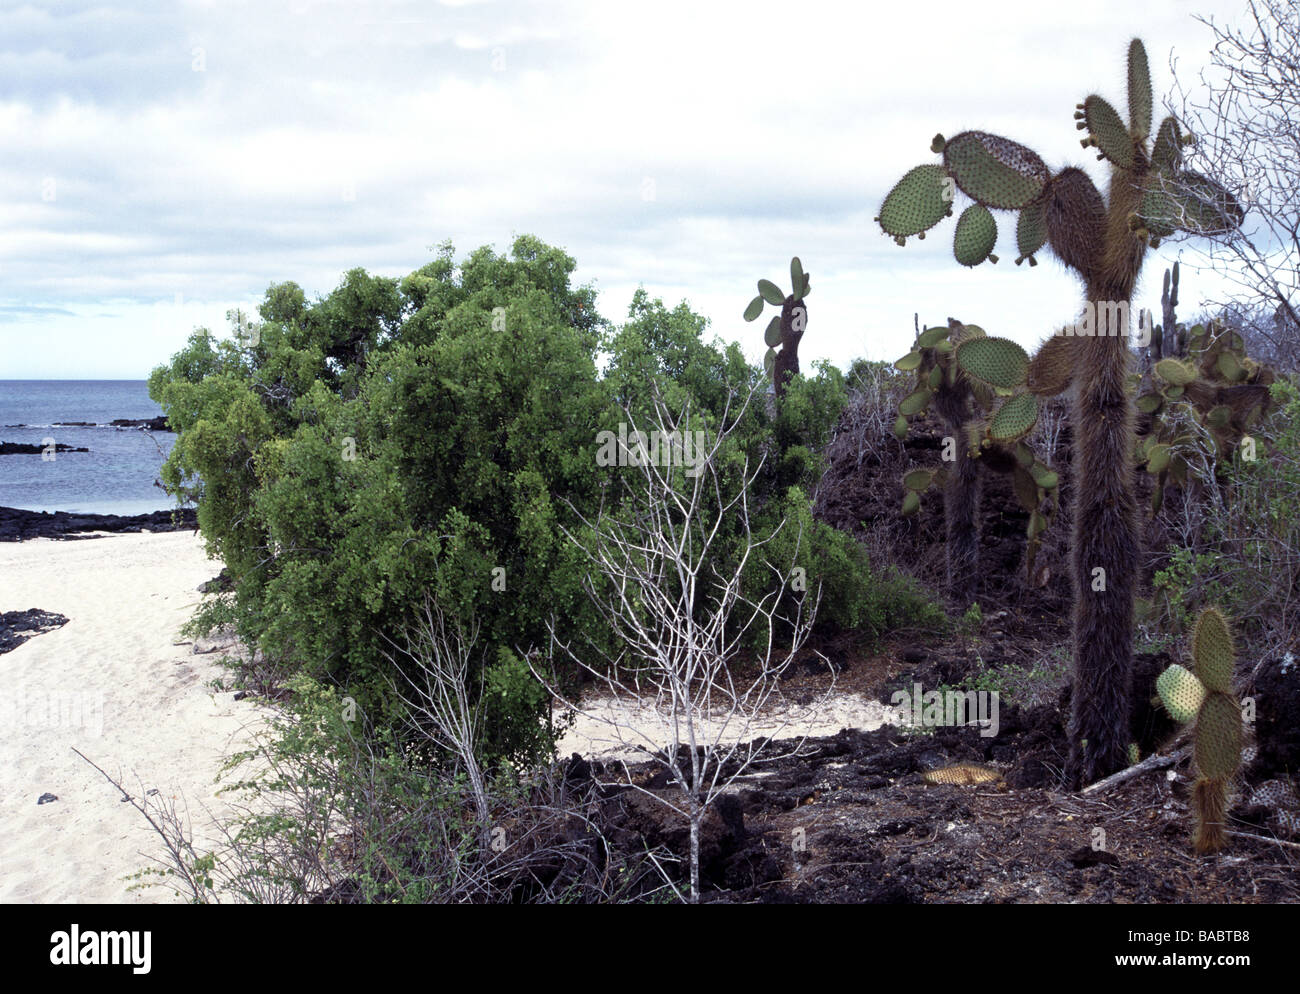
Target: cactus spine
(1150, 195)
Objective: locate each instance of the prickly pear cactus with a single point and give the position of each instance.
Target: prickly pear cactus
(976, 384)
(785, 329)
(1206, 697)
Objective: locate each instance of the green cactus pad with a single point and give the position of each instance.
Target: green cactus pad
(1014, 419)
(769, 361)
(1024, 455)
(900, 428)
(1181, 693)
(770, 292)
(1217, 742)
(1167, 152)
(772, 334)
(1053, 365)
(1025, 488)
(1219, 416)
(998, 362)
(1172, 371)
(796, 278)
(936, 378)
(1139, 90)
(1229, 367)
(911, 503)
(807, 287)
(975, 236)
(914, 403)
(916, 203)
(1158, 460)
(1107, 131)
(918, 479)
(1149, 403)
(1209, 209)
(995, 171)
(1037, 525)
(1031, 231)
(931, 337)
(1044, 476)
(754, 309)
(1213, 651)
(909, 362)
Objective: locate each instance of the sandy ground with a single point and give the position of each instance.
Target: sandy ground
(615, 730)
(113, 683)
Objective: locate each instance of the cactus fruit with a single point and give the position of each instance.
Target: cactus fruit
(1207, 697)
(784, 331)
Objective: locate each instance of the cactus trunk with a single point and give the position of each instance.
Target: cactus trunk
(1105, 512)
(961, 501)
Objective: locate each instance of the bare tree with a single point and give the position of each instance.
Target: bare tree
(697, 657)
(1245, 117)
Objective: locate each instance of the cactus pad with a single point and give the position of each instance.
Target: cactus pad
(918, 480)
(1175, 372)
(1014, 419)
(772, 334)
(975, 236)
(770, 292)
(932, 337)
(995, 171)
(1213, 651)
(911, 503)
(1107, 131)
(754, 309)
(916, 203)
(909, 362)
(914, 403)
(1031, 231)
(1218, 737)
(796, 278)
(998, 362)
(1167, 152)
(1180, 692)
(1139, 90)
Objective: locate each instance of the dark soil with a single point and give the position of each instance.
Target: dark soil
(849, 819)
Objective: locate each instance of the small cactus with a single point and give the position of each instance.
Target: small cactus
(1207, 697)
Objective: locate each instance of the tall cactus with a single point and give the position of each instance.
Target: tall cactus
(1206, 696)
(785, 329)
(1104, 241)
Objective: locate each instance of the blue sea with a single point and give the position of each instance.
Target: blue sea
(115, 477)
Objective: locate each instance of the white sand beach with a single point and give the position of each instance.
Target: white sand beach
(113, 683)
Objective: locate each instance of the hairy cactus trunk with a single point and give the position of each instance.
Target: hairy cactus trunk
(1106, 540)
(961, 500)
(794, 319)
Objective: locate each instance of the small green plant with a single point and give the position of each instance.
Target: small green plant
(1206, 696)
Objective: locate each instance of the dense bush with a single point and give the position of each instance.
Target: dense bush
(439, 433)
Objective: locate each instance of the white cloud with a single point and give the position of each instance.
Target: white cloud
(766, 130)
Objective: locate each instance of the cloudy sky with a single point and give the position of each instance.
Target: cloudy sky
(164, 162)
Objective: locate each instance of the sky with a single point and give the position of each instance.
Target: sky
(163, 163)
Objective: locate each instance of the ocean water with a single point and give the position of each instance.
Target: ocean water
(115, 477)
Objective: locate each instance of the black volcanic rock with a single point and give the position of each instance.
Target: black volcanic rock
(28, 449)
(17, 525)
(16, 627)
(148, 424)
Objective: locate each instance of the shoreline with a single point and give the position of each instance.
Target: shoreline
(19, 525)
